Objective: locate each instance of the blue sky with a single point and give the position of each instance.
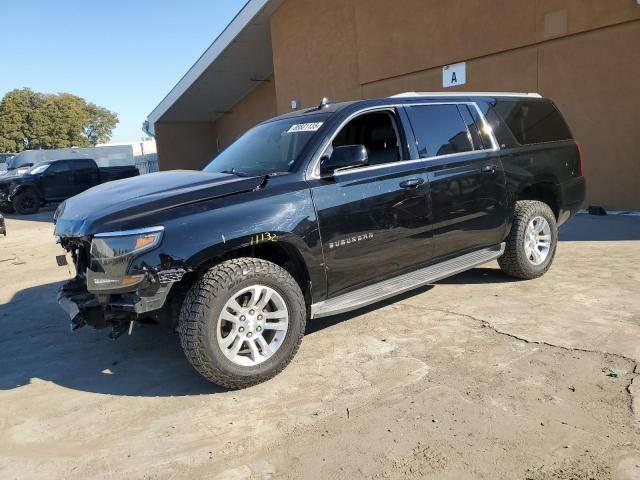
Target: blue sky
(122, 55)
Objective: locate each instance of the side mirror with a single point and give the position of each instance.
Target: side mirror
(347, 156)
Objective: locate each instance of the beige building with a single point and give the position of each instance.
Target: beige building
(584, 54)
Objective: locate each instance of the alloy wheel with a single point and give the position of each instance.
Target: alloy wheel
(252, 325)
(537, 240)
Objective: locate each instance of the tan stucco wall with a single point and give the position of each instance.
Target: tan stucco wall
(581, 53)
(190, 145)
(259, 105)
(184, 145)
(595, 80)
(314, 52)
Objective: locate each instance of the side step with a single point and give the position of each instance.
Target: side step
(403, 283)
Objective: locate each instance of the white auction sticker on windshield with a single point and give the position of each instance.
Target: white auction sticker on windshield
(305, 127)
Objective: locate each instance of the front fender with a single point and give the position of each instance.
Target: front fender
(200, 233)
(16, 188)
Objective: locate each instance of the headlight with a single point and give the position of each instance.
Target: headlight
(111, 254)
(118, 244)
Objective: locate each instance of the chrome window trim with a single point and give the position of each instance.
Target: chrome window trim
(128, 233)
(315, 162)
(339, 173)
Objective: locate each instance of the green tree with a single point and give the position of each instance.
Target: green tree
(32, 120)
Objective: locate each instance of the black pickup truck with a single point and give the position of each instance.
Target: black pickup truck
(25, 190)
(319, 212)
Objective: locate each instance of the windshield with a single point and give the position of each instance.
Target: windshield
(269, 148)
(40, 168)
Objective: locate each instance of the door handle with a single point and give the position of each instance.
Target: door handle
(412, 183)
(488, 169)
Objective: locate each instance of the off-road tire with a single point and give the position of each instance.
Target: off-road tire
(514, 262)
(6, 208)
(26, 202)
(203, 304)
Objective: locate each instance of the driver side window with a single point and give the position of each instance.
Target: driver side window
(378, 132)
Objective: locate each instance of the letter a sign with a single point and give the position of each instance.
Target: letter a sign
(453, 75)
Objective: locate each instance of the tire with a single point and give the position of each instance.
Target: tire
(201, 324)
(6, 208)
(516, 262)
(26, 202)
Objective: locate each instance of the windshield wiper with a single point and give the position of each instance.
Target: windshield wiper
(237, 173)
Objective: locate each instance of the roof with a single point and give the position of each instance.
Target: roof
(234, 64)
(465, 94)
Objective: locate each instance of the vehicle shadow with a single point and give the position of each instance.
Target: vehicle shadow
(36, 344)
(318, 324)
(44, 215)
(479, 275)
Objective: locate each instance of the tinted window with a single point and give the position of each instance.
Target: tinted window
(272, 147)
(471, 126)
(59, 167)
(84, 166)
(439, 130)
(377, 132)
(495, 126)
(533, 122)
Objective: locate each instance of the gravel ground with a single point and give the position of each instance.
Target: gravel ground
(478, 376)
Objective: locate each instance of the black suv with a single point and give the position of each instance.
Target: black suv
(318, 212)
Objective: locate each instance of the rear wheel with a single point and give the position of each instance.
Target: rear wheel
(242, 322)
(26, 202)
(531, 245)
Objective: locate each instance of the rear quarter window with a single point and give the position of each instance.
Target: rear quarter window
(533, 122)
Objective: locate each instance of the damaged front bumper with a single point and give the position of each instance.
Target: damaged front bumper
(117, 311)
(121, 277)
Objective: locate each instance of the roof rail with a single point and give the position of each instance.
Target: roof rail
(465, 94)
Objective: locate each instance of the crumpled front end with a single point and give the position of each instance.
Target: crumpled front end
(94, 298)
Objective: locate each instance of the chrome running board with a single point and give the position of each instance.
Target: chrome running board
(405, 282)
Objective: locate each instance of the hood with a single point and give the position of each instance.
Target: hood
(119, 203)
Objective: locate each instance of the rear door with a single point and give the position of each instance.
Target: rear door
(374, 220)
(467, 180)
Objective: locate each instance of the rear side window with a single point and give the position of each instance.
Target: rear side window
(439, 130)
(84, 166)
(533, 122)
(59, 167)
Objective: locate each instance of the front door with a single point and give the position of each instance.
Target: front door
(374, 220)
(468, 186)
(57, 181)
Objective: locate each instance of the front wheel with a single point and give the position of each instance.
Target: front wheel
(531, 245)
(26, 202)
(242, 322)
